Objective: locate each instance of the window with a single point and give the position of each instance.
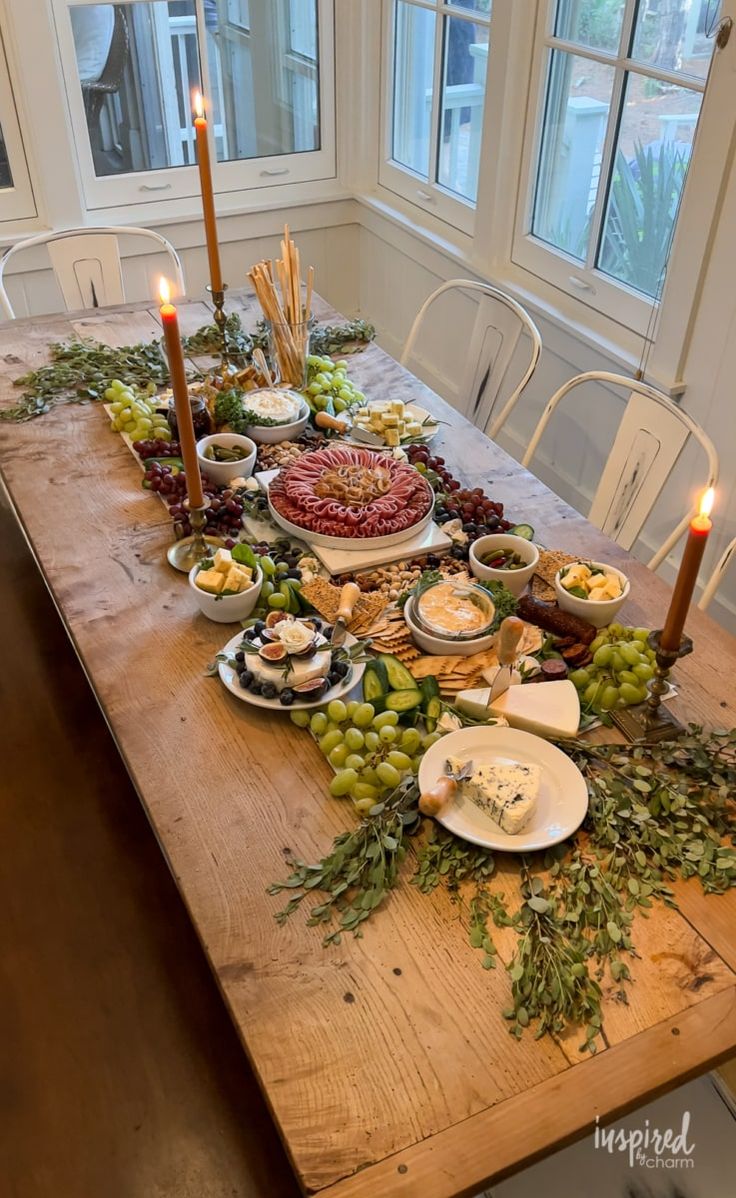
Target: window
(130, 68)
(433, 120)
(16, 195)
(620, 88)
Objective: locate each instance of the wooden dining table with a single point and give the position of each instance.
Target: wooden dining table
(384, 1060)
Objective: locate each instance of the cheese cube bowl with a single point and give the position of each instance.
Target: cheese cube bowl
(230, 608)
(514, 580)
(220, 473)
(598, 612)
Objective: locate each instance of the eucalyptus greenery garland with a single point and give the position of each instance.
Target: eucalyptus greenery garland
(657, 813)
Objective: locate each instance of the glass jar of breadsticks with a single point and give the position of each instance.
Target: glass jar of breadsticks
(288, 349)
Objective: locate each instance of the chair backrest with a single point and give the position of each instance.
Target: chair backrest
(499, 324)
(86, 263)
(717, 576)
(651, 436)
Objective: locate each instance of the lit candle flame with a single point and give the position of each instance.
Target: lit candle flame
(164, 290)
(198, 104)
(706, 502)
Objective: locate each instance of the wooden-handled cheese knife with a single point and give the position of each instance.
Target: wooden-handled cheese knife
(349, 596)
(433, 801)
(509, 635)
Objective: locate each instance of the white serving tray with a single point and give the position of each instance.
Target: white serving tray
(431, 539)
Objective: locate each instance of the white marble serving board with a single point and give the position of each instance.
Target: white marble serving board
(431, 539)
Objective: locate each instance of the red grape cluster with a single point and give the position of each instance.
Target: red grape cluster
(157, 449)
(224, 515)
(479, 514)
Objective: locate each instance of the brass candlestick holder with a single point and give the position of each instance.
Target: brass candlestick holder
(188, 552)
(652, 722)
(218, 299)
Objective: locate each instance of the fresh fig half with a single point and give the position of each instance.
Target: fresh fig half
(275, 617)
(313, 688)
(273, 652)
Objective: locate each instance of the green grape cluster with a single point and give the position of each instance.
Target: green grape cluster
(622, 666)
(328, 386)
(369, 750)
(134, 412)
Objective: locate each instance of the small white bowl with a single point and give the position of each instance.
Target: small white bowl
(440, 646)
(220, 473)
(599, 613)
(273, 433)
(230, 608)
(514, 580)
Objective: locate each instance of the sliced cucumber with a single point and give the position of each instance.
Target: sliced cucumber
(404, 700)
(375, 681)
(522, 530)
(399, 678)
(431, 705)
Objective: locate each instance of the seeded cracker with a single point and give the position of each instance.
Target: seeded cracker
(543, 580)
(326, 599)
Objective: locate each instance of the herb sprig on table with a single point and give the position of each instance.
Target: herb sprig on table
(80, 371)
(657, 813)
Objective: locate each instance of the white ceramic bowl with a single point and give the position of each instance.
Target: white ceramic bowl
(220, 473)
(514, 580)
(440, 646)
(272, 434)
(599, 613)
(231, 608)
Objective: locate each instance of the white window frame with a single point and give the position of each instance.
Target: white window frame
(584, 281)
(156, 186)
(428, 195)
(17, 202)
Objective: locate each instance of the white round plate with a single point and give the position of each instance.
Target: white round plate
(415, 412)
(229, 677)
(349, 544)
(563, 794)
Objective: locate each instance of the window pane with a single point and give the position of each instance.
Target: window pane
(461, 115)
(264, 77)
(137, 64)
(576, 112)
(595, 23)
(6, 176)
(652, 156)
(671, 34)
(413, 82)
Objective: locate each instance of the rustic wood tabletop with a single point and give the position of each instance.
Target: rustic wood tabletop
(384, 1060)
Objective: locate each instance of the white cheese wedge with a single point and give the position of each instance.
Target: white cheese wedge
(544, 708)
(507, 793)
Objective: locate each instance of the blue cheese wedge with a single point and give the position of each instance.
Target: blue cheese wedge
(506, 793)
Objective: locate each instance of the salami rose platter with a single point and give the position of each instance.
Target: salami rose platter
(349, 498)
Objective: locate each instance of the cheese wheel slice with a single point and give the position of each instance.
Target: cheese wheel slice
(545, 708)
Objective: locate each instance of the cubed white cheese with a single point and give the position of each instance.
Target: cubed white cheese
(223, 560)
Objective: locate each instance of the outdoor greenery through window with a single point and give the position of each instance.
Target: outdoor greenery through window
(138, 63)
(440, 61)
(624, 85)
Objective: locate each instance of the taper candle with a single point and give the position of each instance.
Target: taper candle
(208, 195)
(185, 424)
(687, 575)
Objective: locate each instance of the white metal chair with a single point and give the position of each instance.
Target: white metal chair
(650, 439)
(87, 264)
(499, 324)
(716, 577)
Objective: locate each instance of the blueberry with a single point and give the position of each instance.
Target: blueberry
(240, 657)
(293, 573)
(259, 626)
(333, 677)
(327, 631)
(246, 678)
(250, 634)
(287, 697)
(340, 668)
(493, 521)
(269, 690)
(255, 687)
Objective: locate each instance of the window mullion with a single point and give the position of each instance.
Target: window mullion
(609, 146)
(627, 28)
(434, 130)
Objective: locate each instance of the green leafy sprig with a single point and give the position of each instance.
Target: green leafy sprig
(361, 869)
